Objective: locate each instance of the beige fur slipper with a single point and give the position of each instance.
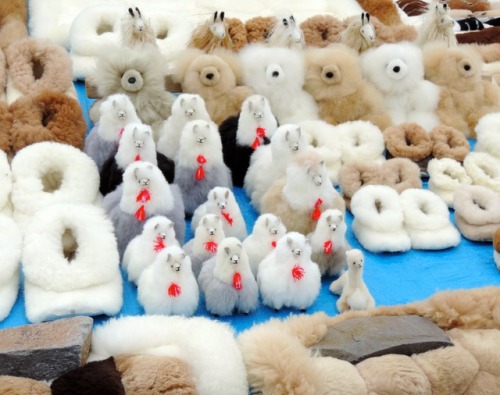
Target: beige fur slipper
(448, 142)
(484, 169)
(357, 174)
(401, 174)
(445, 176)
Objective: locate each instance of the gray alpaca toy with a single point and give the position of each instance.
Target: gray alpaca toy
(227, 280)
(199, 166)
(143, 194)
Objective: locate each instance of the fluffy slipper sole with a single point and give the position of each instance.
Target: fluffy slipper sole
(401, 174)
(448, 142)
(484, 169)
(445, 176)
(488, 138)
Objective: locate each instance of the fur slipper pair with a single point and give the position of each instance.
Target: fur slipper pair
(385, 221)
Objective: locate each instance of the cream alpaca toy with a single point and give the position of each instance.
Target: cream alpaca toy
(268, 229)
(488, 139)
(328, 243)
(208, 234)
(227, 281)
(168, 286)
(186, 108)
(437, 25)
(5, 185)
(287, 277)
(302, 195)
(136, 31)
(285, 32)
(359, 33)
(221, 202)
(157, 234)
(355, 294)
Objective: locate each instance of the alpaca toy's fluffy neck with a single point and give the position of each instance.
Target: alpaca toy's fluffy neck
(201, 237)
(250, 128)
(355, 276)
(210, 149)
(128, 152)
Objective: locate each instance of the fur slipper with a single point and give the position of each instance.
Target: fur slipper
(477, 212)
(13, 22)
(378, 219)
(322, 30)
(448, 142)
(48, 173)
(258, 28)
(427, 220)
(496, 248)
(401, 174)
(446, 175)
(36, 66)
(488, 138)
(484, 169)
(5, 185)
(47, 116)
(356, 174)
(6, 121)
(71, 263)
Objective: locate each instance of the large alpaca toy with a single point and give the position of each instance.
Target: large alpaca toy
(136, 31)
(359, 33)
(279, 31)
(437, 25)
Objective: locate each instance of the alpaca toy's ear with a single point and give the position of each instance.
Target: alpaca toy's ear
(204, 221)
(292, 18)
(114, 103)
(207, 126)
(136, 175)
(329, 219)
(157, 226)
(226, 195)
(134, 133)
(367, 17)
(263, 101)
(131, 12)
(171, 225)
(289, 242)
(196, 128)
(138, 12)
(182, 101)
(250, 105)
(222, 16)
(227, 251)
(215, 15)
(239, 246)
(169, 258)
(299, 131)
(149, 167)
(214, 195)
(322, 163)
(183, 256)
(267, 222)
(287, 135)
(362, 18)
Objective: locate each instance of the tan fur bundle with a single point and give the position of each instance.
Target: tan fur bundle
(408, 140)
(385, 10)
(354, 175)
(6, 121)
(471, 5)
(496, 240)
(401, 174)
(13, 21)
(23, 386)
(412, 7)
(258, 28)
(448, 142)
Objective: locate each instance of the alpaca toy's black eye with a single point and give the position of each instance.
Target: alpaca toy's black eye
(131, 80)
(285, 22)
(467, 67)
(275, 74)
(329, 75)
(396, 69)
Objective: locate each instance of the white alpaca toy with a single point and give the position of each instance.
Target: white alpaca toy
(5, 184)
(287, 277)
(187, 107)
(137, 32)
(285, 32)
(397, 71)
(136, 143)
(221, 201)
(227, 280)
(168, 285)
(437, 25)
(207, 236)
(354, 292)
(157, 234)
(268, 229)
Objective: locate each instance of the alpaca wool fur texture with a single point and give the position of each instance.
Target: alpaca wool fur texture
(136, 31)
(447, 142)
(487, 136)
(13, 22)
(5, 185)
(446, 175)
(354, 175)
(6, 122)
(483, 169)
(3, 75)
(401, 174)
(408, 140)
(21, 385)
(385, 10)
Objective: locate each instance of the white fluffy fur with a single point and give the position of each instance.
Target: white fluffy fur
(379, 231)
(199, 137)
(141, 252)
(397, 70)
(54, 164)
(171, 267)
(278, 74)
(446, 175)
(209, 229)
(117, 111)
(5, 185)
(187, 107)
(229, 251)
(488, 138)
(221, 200)
(137, 140)
(88, 283)
(255, 113)
(483, 169)
(277, 285)
(427, 220)
(285, 32)
(209, 348)
(268, 229)
(11, 244)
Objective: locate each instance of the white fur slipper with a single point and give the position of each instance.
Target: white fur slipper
(427, 220)
(445, 176)
(488, 138)
(378, 219)
(71, 263)
(11, 244)
(47, 173)
(477, 212)
(484, 169)
(5, 184)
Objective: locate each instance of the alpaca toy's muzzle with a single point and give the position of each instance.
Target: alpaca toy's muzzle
(132, 81)
(209, 76)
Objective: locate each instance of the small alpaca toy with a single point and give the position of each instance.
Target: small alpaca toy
(208, 234)
(268, 229)
(287, 277)
(242, 135)
(302, 195)
(199, 165)
(117, 111)
(355, 294)
(329, 244)
(186, 108)
(136, 31)
(359, 33)
(285, 32)
(227, 281)
(496, 248)
(437, 25)
(144, 193)
(157, 234)
(221, 202)
(168, 286)
(136, 144)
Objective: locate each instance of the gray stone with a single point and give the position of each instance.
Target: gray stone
(357, 339)
(45, 351)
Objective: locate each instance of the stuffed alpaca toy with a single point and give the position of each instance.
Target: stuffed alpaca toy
(136, 144)
(333, 78)
(169, 274)
(157, 234)
(144, 193)
(280, 30)
(221, 202)
(227, 281)
(302, 195)
(437, 25)
(397, 71)
(242, 135)
(268, 229)
(208, 234)
(136, 31)
(359, 33)
(328, 243)
(496, 248)
(186, 108)
(287, 277)
(278, 74)
(199, 166)
(216, 77)
(465, 96)
(117, 111)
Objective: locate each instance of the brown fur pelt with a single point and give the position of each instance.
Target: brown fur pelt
(151, 374)
(48, 116)
(385, 10)
(412, 7)
(234, 39)
(10, 385)
(471, 5)
(258, 28)
(448, 142)
(408, 140)
(354, 175)
(13, 21)
(401, 174)
(6, 120)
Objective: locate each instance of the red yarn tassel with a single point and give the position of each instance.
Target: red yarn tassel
(328, 247)
(174, 290)
(273, 243)
(137, 157)
(227, 217)
(159, 244)
(317, 212)
(140, 214)
(237, 284)
(211, 246)
(199, 174)
(143, 196)
(297, 272)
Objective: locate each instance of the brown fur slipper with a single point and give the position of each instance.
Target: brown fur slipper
(258, 28)
(321, 30)
(6, 120)
(48, 116)
(448, 142)
(23, 386)
(401, 174)
(385, 10)
(13, 21)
